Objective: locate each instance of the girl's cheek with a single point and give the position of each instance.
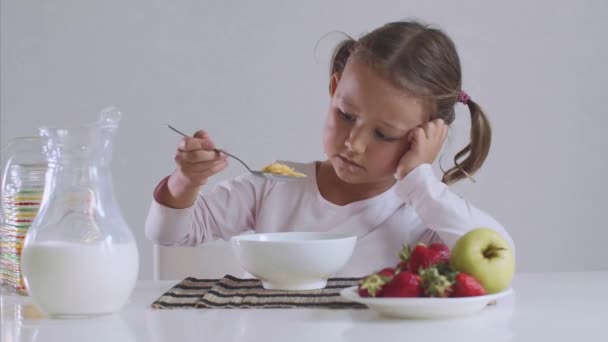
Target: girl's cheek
(389, 157)
(330, 134)
(335, 129)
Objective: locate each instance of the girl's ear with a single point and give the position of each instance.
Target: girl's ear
(333, 83)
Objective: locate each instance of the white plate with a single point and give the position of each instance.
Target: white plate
(424, 308)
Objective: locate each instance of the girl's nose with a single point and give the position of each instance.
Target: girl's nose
(356, 140)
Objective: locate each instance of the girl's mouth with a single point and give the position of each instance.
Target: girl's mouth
(349, 162)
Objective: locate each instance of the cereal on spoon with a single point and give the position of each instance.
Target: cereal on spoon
(282, 169)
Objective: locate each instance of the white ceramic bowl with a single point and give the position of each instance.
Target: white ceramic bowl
(293, 260)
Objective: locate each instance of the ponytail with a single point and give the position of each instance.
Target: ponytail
(470, 158)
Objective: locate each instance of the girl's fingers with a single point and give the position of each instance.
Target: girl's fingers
(435, 130)
(201, 134)
(217, 168)
(197, 156)
(416, 134)
(202, 165)
(193, 143)
(444, 132)
(206, 170)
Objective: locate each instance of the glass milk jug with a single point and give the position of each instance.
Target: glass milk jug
(79, 256)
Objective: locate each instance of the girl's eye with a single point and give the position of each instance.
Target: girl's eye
(384, 137)
(345, 116)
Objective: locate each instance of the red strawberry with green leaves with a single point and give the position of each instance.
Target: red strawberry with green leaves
(466, 285)
(423, 257)
(443, 250)
(401, 267)
(387, 272)
(404, 284)
(436, 283)
(404, 256)
(372, 285)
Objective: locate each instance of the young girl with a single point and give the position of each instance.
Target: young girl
(393, 93)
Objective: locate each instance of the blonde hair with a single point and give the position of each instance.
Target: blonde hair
(422, 61)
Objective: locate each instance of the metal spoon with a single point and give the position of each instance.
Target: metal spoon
(261, 174)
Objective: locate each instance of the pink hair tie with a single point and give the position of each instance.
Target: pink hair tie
(463, 97)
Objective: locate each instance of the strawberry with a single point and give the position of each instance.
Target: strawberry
(467, 286)
(404, 284)
(404, 256)
(444, 251)
(423, 257)
(372, 285)
(387, 272)
(435, 284)
(405, 253)
(402, 266)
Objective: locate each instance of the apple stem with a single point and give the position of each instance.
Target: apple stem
(492, 251)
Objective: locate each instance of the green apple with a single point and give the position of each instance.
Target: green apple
(487, 256)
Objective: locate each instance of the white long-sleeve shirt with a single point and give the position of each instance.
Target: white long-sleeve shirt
(419, 208)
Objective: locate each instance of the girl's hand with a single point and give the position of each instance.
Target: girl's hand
(425, 143)
(197, 160)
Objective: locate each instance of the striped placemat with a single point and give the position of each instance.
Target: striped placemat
(236, 293)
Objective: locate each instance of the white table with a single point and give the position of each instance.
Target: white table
(545, 307)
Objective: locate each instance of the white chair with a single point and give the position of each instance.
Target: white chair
(210, 260)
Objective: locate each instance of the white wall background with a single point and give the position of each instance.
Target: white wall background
(246, 72)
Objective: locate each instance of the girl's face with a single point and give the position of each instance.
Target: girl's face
(365, 134)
